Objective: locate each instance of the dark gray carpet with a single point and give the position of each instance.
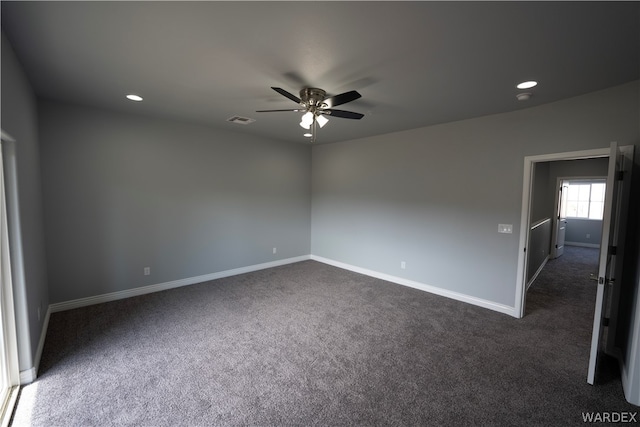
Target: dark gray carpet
(310, 344)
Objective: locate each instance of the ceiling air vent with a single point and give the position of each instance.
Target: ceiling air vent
(241, 120)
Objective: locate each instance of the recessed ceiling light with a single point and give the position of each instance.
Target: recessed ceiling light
(527, 85)
(133, 97)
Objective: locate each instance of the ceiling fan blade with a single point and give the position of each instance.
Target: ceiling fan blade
(343, 114)
(272, 111)
(287, 94)
(343, 98)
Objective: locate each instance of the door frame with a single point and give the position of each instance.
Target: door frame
(525, 218)
(8, 335)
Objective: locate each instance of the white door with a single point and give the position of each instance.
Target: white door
(610, 263)
(560, 229)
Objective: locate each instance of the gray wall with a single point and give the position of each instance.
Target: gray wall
(19, 119)
(123, 192)
(583, 232)
(585, 168)
(434, 196)
(540, 236)
(541, 206)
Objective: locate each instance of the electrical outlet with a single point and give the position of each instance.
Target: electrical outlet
(588, 236)
(147, 271)
(403, 265)
(275, 250)
(505, 228)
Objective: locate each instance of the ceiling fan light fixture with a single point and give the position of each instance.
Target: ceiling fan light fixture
(307, 117)
(308, 135)
(307, 120)
(322, 120)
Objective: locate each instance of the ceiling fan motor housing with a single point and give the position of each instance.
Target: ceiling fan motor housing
(312, 97)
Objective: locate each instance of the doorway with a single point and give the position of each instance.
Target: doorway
(538, 192)
(546, 222)
(619, 161)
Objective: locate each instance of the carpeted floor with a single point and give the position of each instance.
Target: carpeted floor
(309, 344)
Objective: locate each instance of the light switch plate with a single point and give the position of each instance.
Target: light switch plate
(505, 228)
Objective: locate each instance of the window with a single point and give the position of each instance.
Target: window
(585, 199)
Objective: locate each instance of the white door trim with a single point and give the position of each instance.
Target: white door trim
(8, 336)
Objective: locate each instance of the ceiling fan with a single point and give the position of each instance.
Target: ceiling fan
(317, 106)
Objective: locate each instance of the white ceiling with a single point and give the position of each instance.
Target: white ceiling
(415, 63)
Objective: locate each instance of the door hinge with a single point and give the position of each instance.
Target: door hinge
(620, 175)
(600, 280)
(613, 250)
(605, 321)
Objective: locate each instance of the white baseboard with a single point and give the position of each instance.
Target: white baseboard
(113, 296)
(535, 276)
(584, 245)
(511, 311)
(29, 375)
